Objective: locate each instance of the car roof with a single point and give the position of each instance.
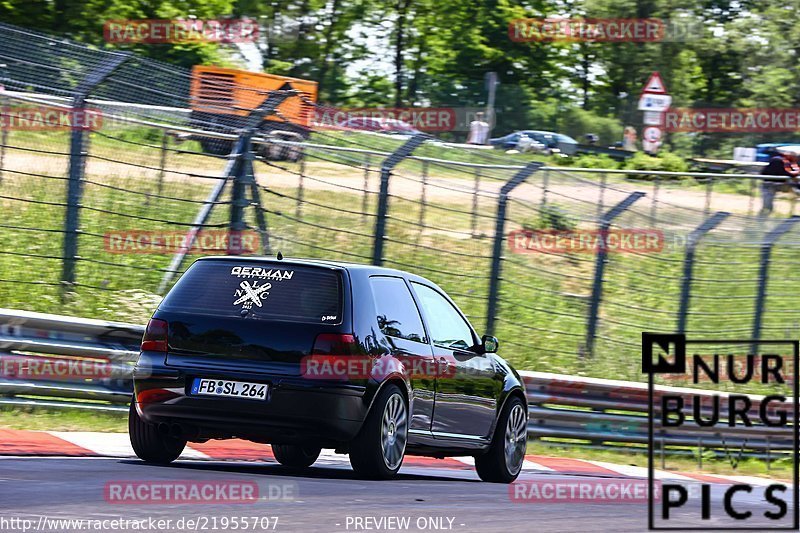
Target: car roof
(346, 265)
(560, 136)
(774, 145)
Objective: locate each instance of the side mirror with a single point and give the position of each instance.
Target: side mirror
(489, 344)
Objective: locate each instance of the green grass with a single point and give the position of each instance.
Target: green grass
(541, 321)
(62, 419)
(107, 142)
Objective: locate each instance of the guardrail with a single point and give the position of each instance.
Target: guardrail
(60, 361)
(564, 410)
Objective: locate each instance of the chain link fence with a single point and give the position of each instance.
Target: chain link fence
(100, 220)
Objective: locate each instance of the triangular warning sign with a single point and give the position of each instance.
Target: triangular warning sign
(654, 85)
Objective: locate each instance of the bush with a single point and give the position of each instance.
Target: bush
(590, 161)
(665, 161)
(550, 217)
(140, 134)
(577, 122)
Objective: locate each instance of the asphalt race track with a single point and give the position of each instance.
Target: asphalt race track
(326, 497)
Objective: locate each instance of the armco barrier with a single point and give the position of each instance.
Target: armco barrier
(65, 361)
(565, 410)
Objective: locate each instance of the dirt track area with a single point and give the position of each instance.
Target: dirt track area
(340, 178)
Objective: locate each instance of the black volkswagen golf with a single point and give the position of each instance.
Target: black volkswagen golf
(305, 354)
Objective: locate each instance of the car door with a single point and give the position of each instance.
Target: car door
(511, 140)
(399, 320)
(468, 387)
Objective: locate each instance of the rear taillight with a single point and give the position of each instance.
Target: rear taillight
(335, 344)
(155, 396)
(155, 336)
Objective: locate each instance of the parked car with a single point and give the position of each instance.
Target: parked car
(552, 141)
(229, 350)
(766, 150)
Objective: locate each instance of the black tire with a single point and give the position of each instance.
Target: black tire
(149, 444)
(216, 146)
(493, 466)
(367, 455)
(295, 455)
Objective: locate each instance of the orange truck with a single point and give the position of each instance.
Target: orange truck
(222, 98)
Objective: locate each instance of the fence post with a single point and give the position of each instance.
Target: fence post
(365, 198)
(300, 186)
(77, 167)
(601, 195)
(163, 161)
(688, 264)
(709, 192)
(3, 140)
(424, 197)
(599, 268)
(238, 165)
(242, 180)
(654, 200)
(499, 238)
(383, 196)
(545, 184)
(475, 192)
(255, 196)
(763, 275)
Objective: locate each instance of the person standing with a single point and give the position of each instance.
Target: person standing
(478, 130)
(629, 139)
(781, 174)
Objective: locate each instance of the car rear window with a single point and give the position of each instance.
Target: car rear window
(267, 290)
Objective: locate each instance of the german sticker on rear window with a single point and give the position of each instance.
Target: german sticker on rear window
(275, 274)
(259, 291)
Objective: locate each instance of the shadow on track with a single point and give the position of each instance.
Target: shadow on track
(274, 469)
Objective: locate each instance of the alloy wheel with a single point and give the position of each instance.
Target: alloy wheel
(516, 438)
(394, 431)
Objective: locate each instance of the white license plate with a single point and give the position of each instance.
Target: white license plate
(232, 389)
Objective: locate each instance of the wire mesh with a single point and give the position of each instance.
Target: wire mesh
(148, 173)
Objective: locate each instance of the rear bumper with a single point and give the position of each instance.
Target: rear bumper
(296, 410)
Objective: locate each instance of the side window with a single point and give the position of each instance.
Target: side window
(447, 327)
(397, 313)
